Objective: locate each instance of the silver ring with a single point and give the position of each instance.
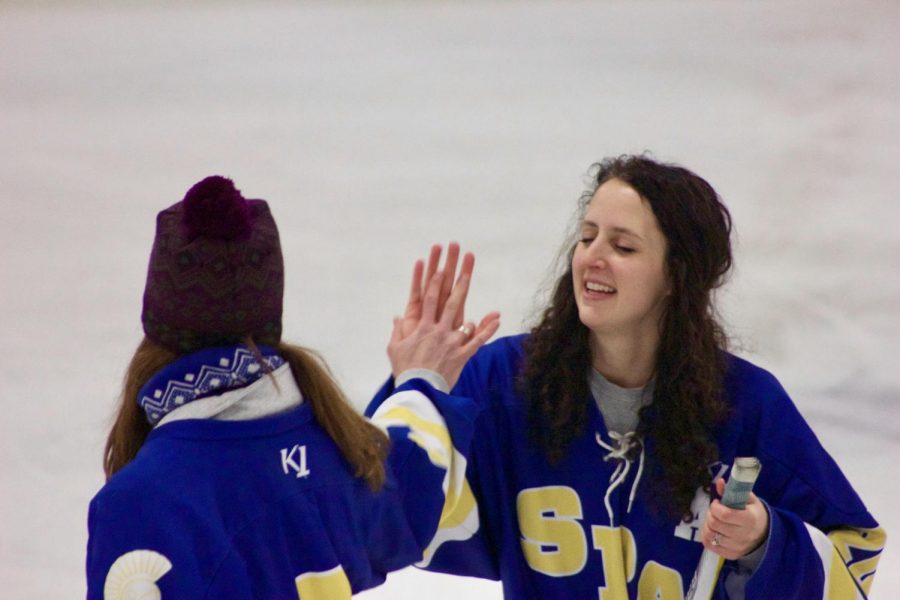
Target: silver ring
(465, 330)
(717, 539)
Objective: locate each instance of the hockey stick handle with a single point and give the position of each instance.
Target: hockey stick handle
(737, 493)
(740, 484)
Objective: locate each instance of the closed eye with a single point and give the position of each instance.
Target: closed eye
(625, 249)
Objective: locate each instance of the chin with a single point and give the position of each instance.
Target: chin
(592, 322)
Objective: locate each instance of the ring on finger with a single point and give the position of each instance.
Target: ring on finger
(465, 330)
(716, 539)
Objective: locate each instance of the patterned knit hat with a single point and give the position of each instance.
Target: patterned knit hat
(216, 273)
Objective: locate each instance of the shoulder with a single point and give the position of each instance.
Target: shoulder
(768, 421)
(760, 407)
(491, 374)
(143, 487)
(491, 380)
(753, 391)
(130, 484)
(503, 355)
(741, 375)
(510, 345)
(237, 466)
(135, 518)
(798, 472)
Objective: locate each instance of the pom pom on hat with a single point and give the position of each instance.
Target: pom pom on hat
(216, 273)
(214, 208)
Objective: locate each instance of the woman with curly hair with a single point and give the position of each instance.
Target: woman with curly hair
(603, 435)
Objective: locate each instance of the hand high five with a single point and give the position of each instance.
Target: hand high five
(433, 333)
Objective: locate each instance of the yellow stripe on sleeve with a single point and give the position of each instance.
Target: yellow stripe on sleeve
(847, 560)
(846, 540)
(428, 430)
(324, 585)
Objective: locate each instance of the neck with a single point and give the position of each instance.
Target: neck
(628, 362)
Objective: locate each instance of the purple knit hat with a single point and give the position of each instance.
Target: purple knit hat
(216, 273)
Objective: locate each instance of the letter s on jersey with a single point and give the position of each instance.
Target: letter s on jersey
(552, 539)
(554, 543)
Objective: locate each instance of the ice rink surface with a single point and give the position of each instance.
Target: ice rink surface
(375, 129)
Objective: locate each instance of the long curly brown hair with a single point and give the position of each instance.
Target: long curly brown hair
(688, 400)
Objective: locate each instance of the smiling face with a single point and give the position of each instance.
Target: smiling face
(618, 267)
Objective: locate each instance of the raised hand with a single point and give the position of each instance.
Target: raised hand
(413, 310)
(431, 334)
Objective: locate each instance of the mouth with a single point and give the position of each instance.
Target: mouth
(595, 289)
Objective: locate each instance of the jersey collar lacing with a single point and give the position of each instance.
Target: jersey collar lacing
(622, 452)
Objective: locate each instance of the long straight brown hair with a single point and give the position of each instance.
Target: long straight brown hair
(362, 444)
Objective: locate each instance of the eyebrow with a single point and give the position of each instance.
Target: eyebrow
(623, 230)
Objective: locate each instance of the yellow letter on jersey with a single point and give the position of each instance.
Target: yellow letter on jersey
(552, 538)
(659, 582)
(619, 559)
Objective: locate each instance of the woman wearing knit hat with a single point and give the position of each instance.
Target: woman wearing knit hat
(235, 467)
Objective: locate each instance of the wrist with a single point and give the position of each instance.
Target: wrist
(435, 379)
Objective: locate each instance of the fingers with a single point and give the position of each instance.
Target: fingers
(487, 328)
(432, 297)
(448, 303)
(415, 289)
(467, 329)
(456, 302)
(449, 274)
(468, 266)
(728, 517)
(717, 523)
(397, 332)
(714, 540)
(395, 341)
(434, 260)
(733, 533)
(450, 264)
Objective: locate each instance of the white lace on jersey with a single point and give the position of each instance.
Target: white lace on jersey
(624, 444)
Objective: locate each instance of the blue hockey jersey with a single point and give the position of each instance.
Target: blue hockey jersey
(583, 528)
(268, 508)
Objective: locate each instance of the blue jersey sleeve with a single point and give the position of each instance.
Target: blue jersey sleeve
(431, 432)
(822, 542)
(464, 544)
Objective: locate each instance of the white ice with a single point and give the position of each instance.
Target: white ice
(375, 129)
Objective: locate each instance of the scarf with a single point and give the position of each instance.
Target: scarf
(207, 372)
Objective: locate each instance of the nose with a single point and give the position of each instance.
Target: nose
(597, 254)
